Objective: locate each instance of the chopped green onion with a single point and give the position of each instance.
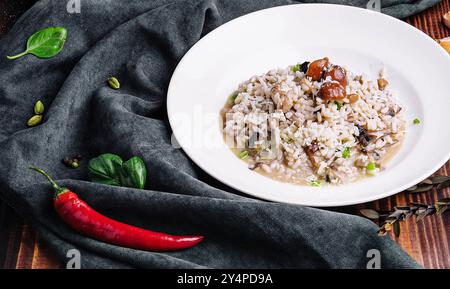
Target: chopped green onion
(371, 167)
(243, 155)
(315, 183)
(416, 121)
(296, 68)
(338, 104)
(346, 153)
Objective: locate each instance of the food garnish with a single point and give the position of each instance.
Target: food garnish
(85, 220)
(113, 82)
(45, 43)
(110, 169)
(34, 120)
(39, 107)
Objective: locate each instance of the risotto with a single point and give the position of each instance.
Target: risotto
(313, 123)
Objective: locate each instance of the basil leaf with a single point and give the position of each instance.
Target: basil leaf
(105, 169)
(45, 43)
(134, 173)
(106, 181)
(109, 169)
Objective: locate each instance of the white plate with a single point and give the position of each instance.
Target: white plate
(363, 41)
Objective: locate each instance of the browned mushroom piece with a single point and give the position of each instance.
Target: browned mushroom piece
(382, 83)
(310, 150)
(363, 138)
(254, 166)
(332, 91)
(316, 68)
(352, 98)
(338, 74)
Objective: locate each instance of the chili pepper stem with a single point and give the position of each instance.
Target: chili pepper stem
(58, 189)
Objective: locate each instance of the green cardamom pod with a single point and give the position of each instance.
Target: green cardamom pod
(34, 120)
(39, 107)
(114, 82)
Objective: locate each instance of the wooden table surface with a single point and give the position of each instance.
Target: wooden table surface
(428, 242)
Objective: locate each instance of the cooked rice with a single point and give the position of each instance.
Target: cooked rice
(292, 134)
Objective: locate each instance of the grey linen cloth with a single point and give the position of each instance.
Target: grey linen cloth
(141, 43)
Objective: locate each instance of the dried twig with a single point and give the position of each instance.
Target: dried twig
(390, 220)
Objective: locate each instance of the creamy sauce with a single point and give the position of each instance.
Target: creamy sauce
(390, 154)
(276, 175)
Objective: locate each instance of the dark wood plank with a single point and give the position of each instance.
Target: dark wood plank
(427, 242)
(10, 11)
(10, 234)
(10, 223)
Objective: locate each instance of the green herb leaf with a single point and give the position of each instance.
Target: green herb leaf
(420, 189)
(412, 188)
(45, 43)
(315, 183)
(109, 169)
(134, 173)
(339, 105)
(416, 121)
(105, 169)
(396, 226)
(439, 179)
(243, 155)
(346, 153)
(371, 166)
(443, 185)
(369, 213)
(426, 182)
(442, 206)
(430, 210)
(296, 68)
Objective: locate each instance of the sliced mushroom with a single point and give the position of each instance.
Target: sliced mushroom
(338, 74)
(352, 98)
(382, 83)
(394, 110)
(316, 68)
(377, 134)
(363, 138)
(310, 150)
(331, 91)
(254, 166)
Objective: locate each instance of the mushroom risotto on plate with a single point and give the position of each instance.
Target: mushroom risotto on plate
(314, 123)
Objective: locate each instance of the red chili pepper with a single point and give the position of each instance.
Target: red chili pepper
(85, 220)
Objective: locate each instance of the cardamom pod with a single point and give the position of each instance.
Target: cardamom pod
(39, 107)
(34, 120)
(114, 82)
